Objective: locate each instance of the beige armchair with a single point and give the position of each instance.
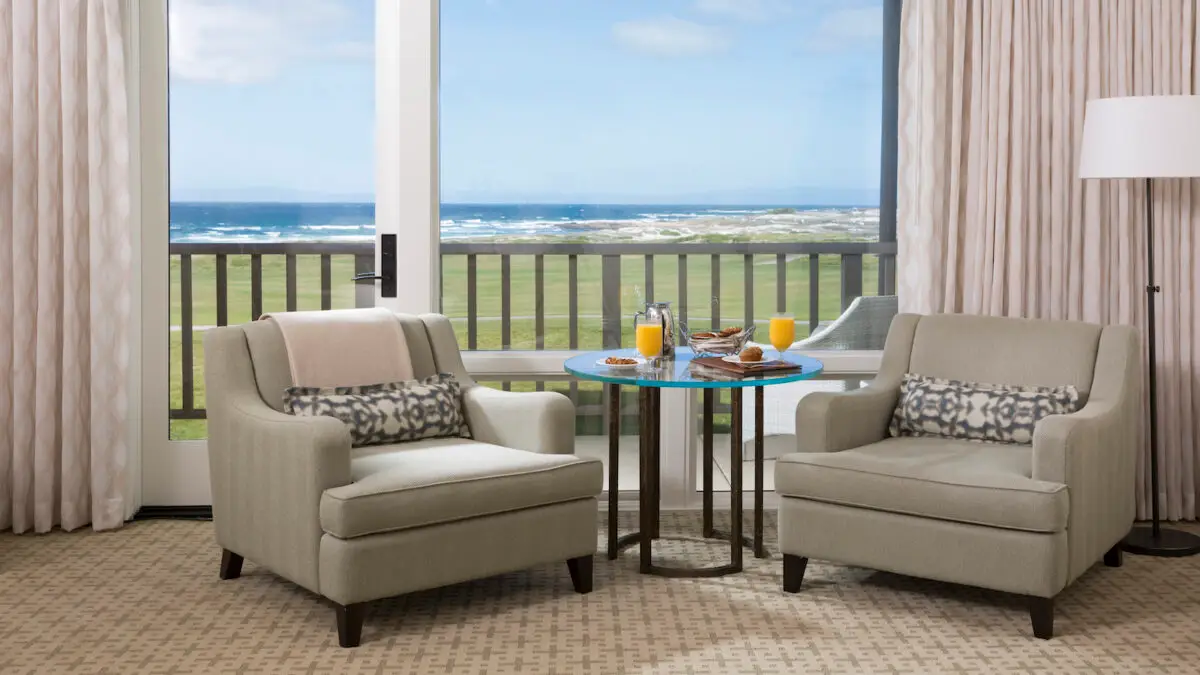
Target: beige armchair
(355, 525)
(1021, 519)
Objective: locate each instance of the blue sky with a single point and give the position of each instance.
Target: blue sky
(624, 101)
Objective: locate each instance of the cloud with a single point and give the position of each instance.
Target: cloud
(670, 36)
(847, 28)
(742, 10)
(243, 42)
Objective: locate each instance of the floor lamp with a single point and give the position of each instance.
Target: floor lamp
(1146, 137)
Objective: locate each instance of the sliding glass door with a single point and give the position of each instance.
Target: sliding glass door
(270, 205)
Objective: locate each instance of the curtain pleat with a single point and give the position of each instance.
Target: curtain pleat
(992, 216)
(65, 263)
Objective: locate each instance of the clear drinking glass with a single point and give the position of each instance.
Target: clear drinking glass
(648, 338)
(782, 332)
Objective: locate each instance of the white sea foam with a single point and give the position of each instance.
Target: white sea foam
(647, 226)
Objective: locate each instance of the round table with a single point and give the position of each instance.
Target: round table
(679, 372)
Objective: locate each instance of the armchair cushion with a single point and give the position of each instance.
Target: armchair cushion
(954, 480)
(392, 412)
(398, 487)
(931, 406)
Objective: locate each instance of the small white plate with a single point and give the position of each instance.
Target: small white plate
(735, 358)
(622, 366)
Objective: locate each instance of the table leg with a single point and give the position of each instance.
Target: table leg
(646, 492)
(707, 460)
(656, 454)
(735, 478)
(614, 452)
(760, 549)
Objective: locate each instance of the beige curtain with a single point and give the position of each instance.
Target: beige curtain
(992, 216)
(65, 253)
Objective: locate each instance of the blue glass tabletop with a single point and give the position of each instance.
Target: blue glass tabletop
(680, 372)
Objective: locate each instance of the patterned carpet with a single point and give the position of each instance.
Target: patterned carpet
(147, 599)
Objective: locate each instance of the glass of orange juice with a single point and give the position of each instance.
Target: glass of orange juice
(782, 332)
(648, 337)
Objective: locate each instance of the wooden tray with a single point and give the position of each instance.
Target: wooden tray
(719, 363)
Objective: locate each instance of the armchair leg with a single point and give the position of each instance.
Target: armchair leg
(231, 564)
(1113, 557)
(1041, 614)
(349, 623)
(793, 572)
(581, 573)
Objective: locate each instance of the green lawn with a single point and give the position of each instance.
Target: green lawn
(454, 294)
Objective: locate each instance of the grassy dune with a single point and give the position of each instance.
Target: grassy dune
(454, 293)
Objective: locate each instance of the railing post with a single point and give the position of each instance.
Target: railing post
(290, 281)
(256, 290)
(539, 303)
(472, 305)
(852, 275)
(714, 268)
(649, 291)
(222, 290)
(610, 284)
(185, 336)
(573, 303)
(683, 283)
(814, 292)
(781, 283)
(887, 274)
(326, 281)
(364, 294)
(748, 289)
(505, 302)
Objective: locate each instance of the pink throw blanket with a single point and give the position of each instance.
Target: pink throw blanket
(344, 347)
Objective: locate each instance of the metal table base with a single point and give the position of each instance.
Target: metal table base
(649, 507)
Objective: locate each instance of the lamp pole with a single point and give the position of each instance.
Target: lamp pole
(1154, 540)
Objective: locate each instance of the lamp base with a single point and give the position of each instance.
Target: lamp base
(1168, 544)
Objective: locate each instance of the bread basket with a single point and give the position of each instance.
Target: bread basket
(711, 343)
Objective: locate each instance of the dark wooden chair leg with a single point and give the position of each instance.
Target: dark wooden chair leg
(793, 572)
(349, 623)
(1041, 613)
(581, 573)
(231, 564)
(1113, 557)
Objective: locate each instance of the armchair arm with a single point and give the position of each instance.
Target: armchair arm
(1094, 451)
(268, 469)
(542, 421)
(834, 421)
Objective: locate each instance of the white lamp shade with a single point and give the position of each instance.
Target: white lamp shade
(1141, 137)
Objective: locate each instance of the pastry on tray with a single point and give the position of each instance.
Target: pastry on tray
(751, 354)
(619, 361)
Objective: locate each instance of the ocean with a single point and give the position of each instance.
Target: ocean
(215, 222)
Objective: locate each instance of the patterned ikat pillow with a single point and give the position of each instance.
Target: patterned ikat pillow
(392, 412)
(998, 413)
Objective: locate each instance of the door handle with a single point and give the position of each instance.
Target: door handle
(387, 259)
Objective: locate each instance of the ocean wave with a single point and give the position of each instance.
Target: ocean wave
(626, 224)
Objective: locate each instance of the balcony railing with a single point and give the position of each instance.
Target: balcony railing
(338, 261)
